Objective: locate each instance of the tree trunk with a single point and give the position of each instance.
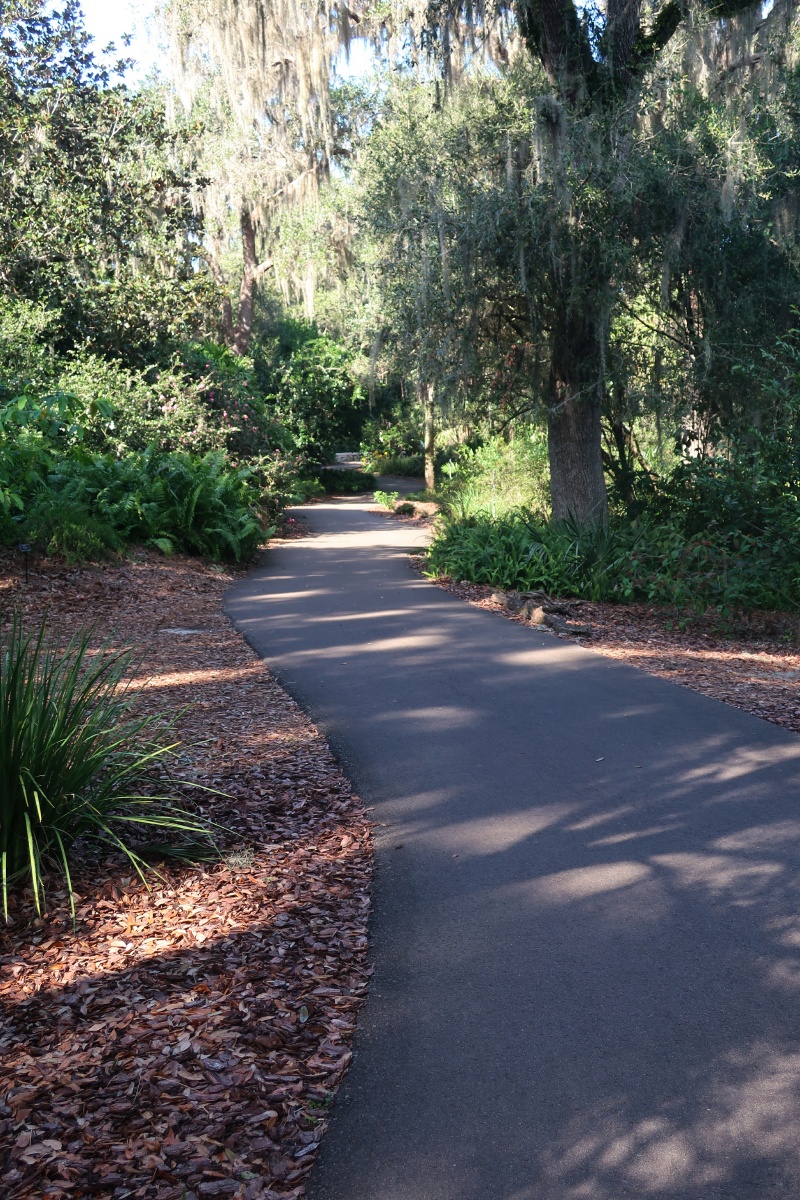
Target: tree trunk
(427, 396)
(247, 290)
(237, 334)
(577, 483)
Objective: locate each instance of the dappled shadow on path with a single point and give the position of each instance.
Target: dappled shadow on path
(588, 935)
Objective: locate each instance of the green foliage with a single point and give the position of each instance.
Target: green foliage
(90, 196)
(74, 761)
(341, 482)
(393, 432)
(34, 431)
(172, 501)
(411, 466)
(66, 527)
(317, 401)
(624, 563)
(207, 402)
(387, 499)
(640, 561)
(499, 476)
(719, 531)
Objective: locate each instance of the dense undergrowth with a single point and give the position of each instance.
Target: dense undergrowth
(715, 532)
(200, 452)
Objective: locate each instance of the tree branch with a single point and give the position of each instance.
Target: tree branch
(553, 32)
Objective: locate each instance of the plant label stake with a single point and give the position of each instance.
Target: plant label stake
(25, 550)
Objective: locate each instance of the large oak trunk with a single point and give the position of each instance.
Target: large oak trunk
(577, 482)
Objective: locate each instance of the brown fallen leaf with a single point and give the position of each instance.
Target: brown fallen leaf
(162, 1046)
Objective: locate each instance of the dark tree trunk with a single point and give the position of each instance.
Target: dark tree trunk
(577, 482)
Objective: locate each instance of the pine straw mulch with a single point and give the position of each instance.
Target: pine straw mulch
(752, 663)
(186, 1041)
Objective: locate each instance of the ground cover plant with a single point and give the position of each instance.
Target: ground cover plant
(187, 1039)
(386, 499)
(75, 763)
(171, 501)
(642, 561)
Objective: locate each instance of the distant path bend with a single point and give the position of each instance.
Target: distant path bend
(587, 914)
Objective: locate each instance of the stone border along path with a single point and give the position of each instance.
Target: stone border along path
(586, 931)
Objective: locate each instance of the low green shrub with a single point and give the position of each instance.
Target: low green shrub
(407, 465)
(499, 477)
(387, 499)
(315, 397)
(342, 482)
(74, 760)
(205, 400)
(96, 504)
(67, 528)
(639, 561)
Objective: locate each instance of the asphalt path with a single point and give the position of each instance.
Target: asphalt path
(586, 931)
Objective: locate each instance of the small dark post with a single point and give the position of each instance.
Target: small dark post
(25, 550)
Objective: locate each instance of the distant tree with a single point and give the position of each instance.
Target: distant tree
(96, 222)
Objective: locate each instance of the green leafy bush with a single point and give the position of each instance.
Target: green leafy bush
(499, 477)
(26, 360)
(407, 465)
(34, 432)
(640, 561)
(204, 400)
(317, 401)
(718, 532)
(387, 499)
(67, 528)
(171, 501)
(74, 760)
(394, 430)
(339, 481)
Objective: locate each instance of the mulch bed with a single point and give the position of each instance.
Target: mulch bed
(186, 1041)
(752, 663)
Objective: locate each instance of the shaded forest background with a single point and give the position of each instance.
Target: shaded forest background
(553, 269)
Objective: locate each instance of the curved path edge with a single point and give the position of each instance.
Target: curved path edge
(586, 931)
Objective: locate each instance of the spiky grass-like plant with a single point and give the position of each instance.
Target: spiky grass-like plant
(73, 758)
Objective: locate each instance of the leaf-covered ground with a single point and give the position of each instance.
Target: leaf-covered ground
(752, 663)
(186, 1041)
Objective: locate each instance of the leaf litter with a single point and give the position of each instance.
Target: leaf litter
(186, 1041)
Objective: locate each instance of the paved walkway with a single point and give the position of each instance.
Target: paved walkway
(587, 917)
